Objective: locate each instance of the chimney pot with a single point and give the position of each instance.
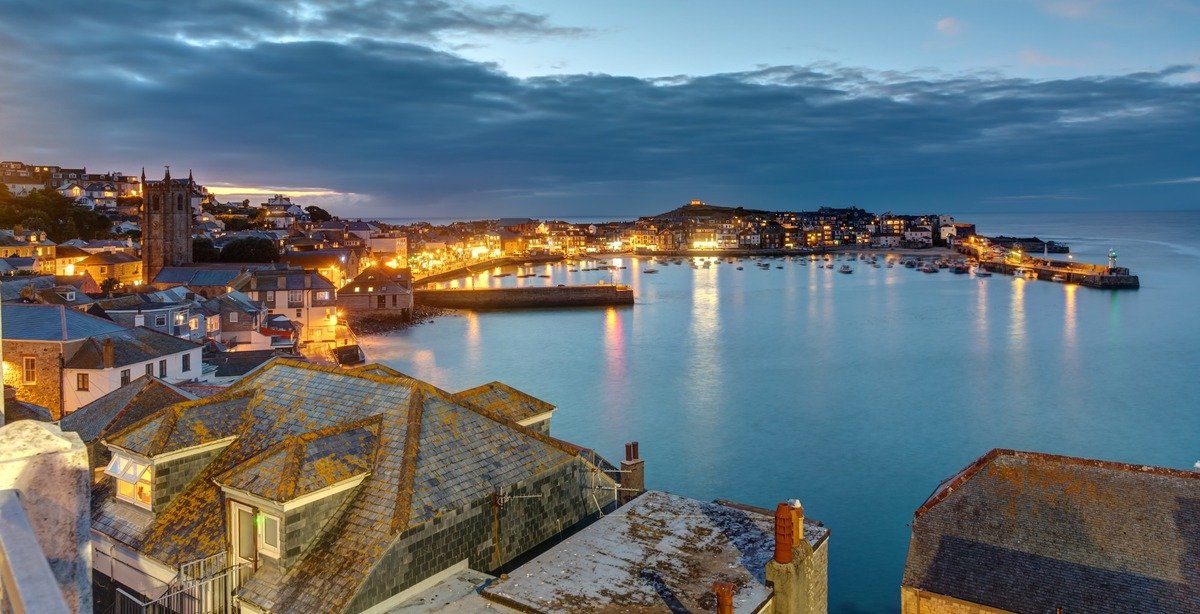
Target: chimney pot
(635, 451)
(797, 519)
(784, 540)
(724, 592)
(628, 451)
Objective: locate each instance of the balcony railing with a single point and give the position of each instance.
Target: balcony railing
(26, 582)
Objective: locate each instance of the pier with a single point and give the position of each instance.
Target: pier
(1018, 263)
(525, 298)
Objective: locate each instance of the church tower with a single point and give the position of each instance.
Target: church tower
(166, 223)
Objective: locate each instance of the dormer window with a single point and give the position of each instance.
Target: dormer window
(135, 480)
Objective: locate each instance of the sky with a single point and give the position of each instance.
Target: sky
(445, 108)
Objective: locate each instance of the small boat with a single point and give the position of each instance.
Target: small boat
(845, 269)
(982, 273)
(649, 271)
(1057, 277)
(959, 269)
(779, 267)
(929, 269)
(544, 276)
(502, 275)
(739, 268)
(526, 275)
(910, 265)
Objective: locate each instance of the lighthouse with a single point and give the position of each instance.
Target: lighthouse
(1112, 260)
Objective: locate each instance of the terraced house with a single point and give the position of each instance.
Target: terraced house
(61, 358)
(310, 489)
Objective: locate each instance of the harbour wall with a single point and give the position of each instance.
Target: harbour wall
(462, 271)
(524, 298)
(1093, 276)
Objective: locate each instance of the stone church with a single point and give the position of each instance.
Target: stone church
(166, 223)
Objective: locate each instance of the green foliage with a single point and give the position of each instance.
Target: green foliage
(203, 250)
(54, 213)
(250, 249)
(108, 285)
(317, 214)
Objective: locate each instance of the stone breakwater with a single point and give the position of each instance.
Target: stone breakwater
(523, 298)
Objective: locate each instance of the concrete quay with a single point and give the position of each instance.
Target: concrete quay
(1084, 274)
(525, 298)
(463, 271)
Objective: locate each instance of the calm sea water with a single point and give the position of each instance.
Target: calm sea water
(857, 393)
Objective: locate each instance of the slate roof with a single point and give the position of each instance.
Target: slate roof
(285, 279)
(130, 346)
(426, 454)
(1029, 532)
(52, 323)
(233, 364)
(109, 258)
(119, 409)
(15, 409)
(381, 279)
(197, 276)
(505, 400)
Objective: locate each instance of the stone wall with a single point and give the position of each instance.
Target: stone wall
(562, 498)
(173, 476)
(47, 390)
(49, 470)
(512, 298)
(914, 601)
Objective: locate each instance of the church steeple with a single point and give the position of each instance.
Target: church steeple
(167, 177)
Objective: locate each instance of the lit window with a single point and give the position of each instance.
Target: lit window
(81, 381)
(180, 318)
(268, 534)
(135, 481)
(29, 372)
(323, 295)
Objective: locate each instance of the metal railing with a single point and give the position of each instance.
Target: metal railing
(210, 594)
(26, 582)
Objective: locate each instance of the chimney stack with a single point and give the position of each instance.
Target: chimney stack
(633, 475)
(724, 592)
(110, 355)
(790, 570)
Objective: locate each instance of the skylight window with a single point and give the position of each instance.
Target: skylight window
(135, 480)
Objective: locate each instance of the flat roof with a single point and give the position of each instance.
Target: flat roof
(659, 552)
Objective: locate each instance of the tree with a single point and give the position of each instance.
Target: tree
(203, 250)
(250, 249)
(108, 285)
(317, 214)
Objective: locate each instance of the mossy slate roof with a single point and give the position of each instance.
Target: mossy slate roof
(1029, 532)
(299, 427)
(504, 399)
(119, 409)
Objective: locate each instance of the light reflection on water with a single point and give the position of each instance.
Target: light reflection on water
(855, 393)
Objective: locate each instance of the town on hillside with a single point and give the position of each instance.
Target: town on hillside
(191, 428)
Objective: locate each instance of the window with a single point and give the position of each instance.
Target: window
(381, 301)
(150, 369)
(103, 270)
(269, 296)
(194, 323)
(29, 371)
(160, 319)
(135, 482)
(323, 295)
(268, 534)
(125, 376)
(187, 362)
(180, 318)
(81, 381)
(233, 317)
(296, 296)
(162, 368)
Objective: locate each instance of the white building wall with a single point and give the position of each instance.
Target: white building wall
(104, 381)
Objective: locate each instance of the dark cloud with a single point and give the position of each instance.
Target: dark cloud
(366, 107)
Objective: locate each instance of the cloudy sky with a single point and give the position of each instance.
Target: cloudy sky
(442, 108)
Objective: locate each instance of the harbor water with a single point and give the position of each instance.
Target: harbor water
(855, 393)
